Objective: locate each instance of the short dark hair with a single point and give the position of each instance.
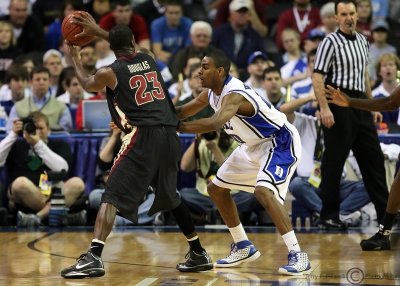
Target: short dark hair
(16, 72)
(220, 60)
(39, 69)
(116, 3)
(173, 3)
(271, 70)
(120, 38)
(337, 2)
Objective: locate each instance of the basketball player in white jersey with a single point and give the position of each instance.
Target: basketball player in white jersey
(263, 164)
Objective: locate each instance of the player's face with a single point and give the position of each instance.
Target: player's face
(347, 17)
(208, 72)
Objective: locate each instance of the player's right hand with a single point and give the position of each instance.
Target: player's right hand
(88, 24)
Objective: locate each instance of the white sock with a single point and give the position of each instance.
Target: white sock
(238, 233)
(291, 241)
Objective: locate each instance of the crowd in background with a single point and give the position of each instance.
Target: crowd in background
(272, 46)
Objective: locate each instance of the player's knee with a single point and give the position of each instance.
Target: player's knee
(215, 191)
(263, 194)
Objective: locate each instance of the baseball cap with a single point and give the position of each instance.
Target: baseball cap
(380, 25)
(256, 55)
(315, 34)
(239, 4)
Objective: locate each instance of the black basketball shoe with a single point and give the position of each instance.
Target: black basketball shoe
(88, 265)
(195, 262)
(376, 242)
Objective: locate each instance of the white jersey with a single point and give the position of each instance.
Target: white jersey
(260, 127)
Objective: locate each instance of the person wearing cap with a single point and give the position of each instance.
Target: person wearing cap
(257, 63)
(379, 47)
(327, 14)
(257, 14)
(302, 17)
(315, 36)
(237, 39)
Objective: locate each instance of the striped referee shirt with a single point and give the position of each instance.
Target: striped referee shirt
(343, 59)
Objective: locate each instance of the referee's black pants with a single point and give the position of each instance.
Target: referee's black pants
(353, 130)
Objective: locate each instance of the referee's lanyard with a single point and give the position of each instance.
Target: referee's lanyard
(301, 23)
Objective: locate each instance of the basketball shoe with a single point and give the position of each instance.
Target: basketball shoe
(243, 251)
(298, 264)
(376, 242)
(195, 262)
(88, 265)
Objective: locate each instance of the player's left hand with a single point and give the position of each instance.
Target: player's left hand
(336, 96)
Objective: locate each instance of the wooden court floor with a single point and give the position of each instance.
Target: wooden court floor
(147, 256)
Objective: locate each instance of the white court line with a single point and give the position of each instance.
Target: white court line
(211, 282)
(146, 282)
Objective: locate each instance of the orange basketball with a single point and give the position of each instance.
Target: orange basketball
(69, 30)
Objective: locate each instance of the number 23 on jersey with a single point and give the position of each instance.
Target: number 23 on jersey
(140, 83)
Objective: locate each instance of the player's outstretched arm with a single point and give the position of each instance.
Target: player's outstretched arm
(90, 28)
(338, 97)
(229, 107)
(194, 106)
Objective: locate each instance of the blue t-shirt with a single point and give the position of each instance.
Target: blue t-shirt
(172, 39)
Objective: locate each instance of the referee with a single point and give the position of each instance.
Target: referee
(341, 62)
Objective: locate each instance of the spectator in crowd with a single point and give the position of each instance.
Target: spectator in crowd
(387, 67)
(8, 50)
(200, 35)
(256, 11)
(327, 14)
(15, 87)
(27, 29)
(27, 62)
(74, 92)
(302, 18)
(54, 34)
(98, 8)
(56, 111)
(273, 87)
(88, 59)
(171, 32)
(108, 151)
(150, 10)
(104, 54)
(364, 11)
(315, 36)
(256, 64)
(52, 60)
(27, 161)
(304, 186)
(122, 14)
(47, 11)
(295, 65)
(380, 46)
(180, 87)
(237, 38)
(304, 88)
(380, 9)
(205, 155)
(347, 129)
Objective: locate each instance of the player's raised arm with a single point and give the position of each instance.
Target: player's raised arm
(336, 96)
(229, 107)
(91, 83)
(89, 25)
